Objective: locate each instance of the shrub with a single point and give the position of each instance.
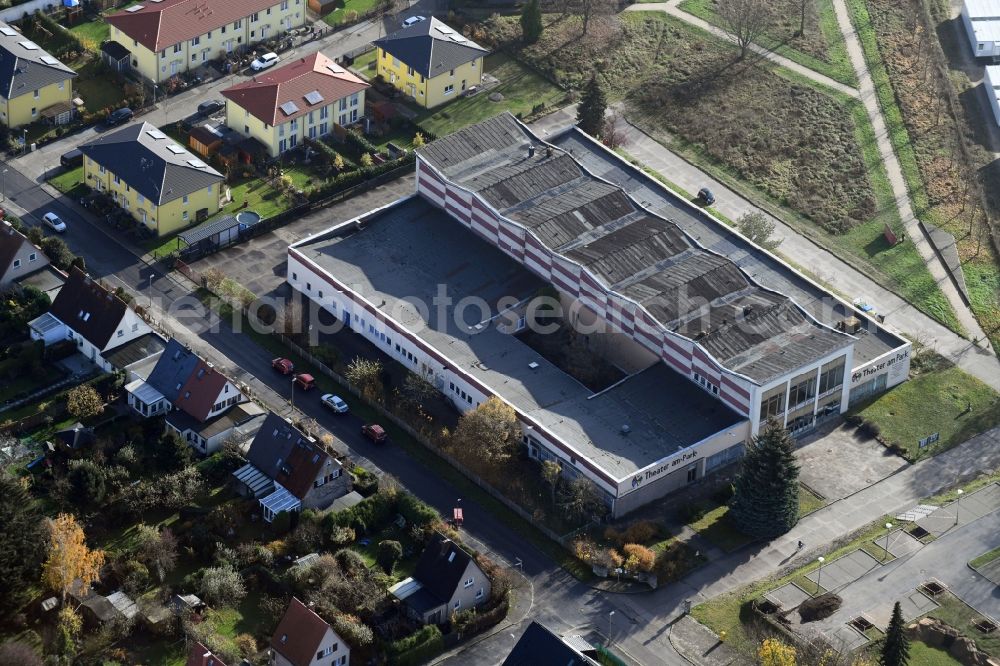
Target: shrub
(416, 648)
(222, 586)
(638, 558)
(854, 420)
(246, 645)
(723, 494)
(871, 429)
(819, 608)
(641, 531)
(352, 630)
(388, 554)
(415, 511)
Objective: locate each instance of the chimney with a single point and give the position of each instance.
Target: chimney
(531, 150)
(548, 151)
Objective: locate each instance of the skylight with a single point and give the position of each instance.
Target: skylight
(197, 164)
(457, 38)
(175, 149)
(289, 108)
(156, 134)
(444, 29)
(7, 30)
(335, 68)
(134, 8)
(314, 97)
(30, 46)
(49, 60)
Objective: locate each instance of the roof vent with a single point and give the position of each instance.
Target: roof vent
(747, 310)
(533, 365)
(626, 429)
(531, 150)
(699, 335)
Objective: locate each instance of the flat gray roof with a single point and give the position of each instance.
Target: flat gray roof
(409, 249)
(634, 252)
(872, 341)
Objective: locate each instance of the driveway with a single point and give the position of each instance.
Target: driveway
(837, 461)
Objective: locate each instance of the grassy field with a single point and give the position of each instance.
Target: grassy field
(522, 90)
(925, 655)
(68, 181)
(925, 136)
(820, 48)
(985, 558)
(92, 33)
(365, 64)
(948, 401)
(97, 89)
(348, 11)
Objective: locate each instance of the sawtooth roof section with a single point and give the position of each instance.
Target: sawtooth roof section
(291, 87)
(161, 24)
(24, 69)
(159, 169)
(646, 258)
(429, 49)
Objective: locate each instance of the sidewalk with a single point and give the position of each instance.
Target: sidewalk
(671, 7)
(698, 645)
(915, 231)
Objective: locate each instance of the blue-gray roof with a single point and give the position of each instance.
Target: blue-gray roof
(176, 364)
(24, 66)
(208, 229)
(431, 47)
(155, 165)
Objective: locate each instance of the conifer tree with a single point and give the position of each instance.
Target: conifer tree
(593, 104)
(895, 645)
(766, 493)
(531, 22)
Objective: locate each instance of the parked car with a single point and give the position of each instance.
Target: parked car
(305, 381)
(72, 159)
(54, 222)
(119, 116)
(211, 106)
(335, 403)
(706, 197)
(374, 432)
(283, 365)
(413, 20)
(264, 61)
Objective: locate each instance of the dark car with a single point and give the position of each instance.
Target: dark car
(211, 106)
(706, 197)
(119, 116)
(72, 159)
(374, 432)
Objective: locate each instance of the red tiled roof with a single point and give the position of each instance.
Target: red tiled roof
(199, 655)
(161, 24)
(204, 385)
(299, 634)
(264, 95)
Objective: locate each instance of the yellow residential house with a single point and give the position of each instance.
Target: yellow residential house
(33, 84)
(301, 100)
(162, 185)
(430, 62)
(168, 37)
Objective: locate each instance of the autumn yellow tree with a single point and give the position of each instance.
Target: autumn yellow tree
(69, 557)
(83, 402)
(488, 432)
(773, 652)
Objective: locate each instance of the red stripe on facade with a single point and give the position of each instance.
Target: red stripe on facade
(735, 389)
(684, 353)
(732, 402)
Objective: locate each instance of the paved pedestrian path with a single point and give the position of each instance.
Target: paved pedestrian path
(672, 7)
(914, 230)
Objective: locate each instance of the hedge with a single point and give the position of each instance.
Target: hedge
(377, 510)
(415, 511)
(343, 181)
(417, 648)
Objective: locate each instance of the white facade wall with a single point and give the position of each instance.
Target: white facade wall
(977, 15)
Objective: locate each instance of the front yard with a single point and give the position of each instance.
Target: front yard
(523, 91)
(349, 11)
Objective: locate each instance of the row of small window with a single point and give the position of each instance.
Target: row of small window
(225, 403)
(460, 393)
(479, 595)
(121, 331)
(705, 384)
(322, 481)
(325, 652)
(31, 257)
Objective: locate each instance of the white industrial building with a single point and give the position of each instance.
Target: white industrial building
(714, 335)
(981, 19)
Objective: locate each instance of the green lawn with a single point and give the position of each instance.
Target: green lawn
(925, 655)
(985, 558)
(260, 196)
(97, 89)
(809, 501)
(521, 88)
(365, 64)
(92, 33)
(68, 181)
(349, 11)
(949, 402)
(957, 614)
(821, 49)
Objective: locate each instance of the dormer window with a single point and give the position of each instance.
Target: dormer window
(470, 582)
(451, 556)
(284, 638)
(187, 394)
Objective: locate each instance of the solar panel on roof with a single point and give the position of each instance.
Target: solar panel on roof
(156, 134)
(9, 31)
(197, 164)
(31, 46)
(289, 108)
(134, 8)
(314, 97)
(175, 149)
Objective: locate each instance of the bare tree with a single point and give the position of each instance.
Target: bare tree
(745, 21)
(591, 9)
(805, 10)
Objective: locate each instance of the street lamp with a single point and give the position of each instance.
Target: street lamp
(24, 141)
(819, 574)
(5, 185)
(292, 400)
(958, 503)
(150, 289)
(611, 617)
(888, 526)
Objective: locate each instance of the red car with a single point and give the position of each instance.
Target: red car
(283, 365)
(374, 432)
(305, 381)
